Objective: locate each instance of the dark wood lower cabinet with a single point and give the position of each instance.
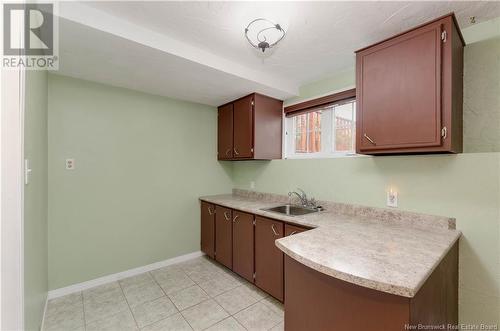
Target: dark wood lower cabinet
(268, 257)
(208, 229)
(224, 236)
(315, 301)
(294, 229)
(243, 247)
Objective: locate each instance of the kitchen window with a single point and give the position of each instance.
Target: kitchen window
(325, 131)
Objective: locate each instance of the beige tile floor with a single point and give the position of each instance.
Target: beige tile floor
(195, 295)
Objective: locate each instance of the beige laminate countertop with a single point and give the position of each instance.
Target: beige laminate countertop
(382, 254)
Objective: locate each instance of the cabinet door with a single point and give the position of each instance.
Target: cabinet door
(208, 228)
(293, 229)
(243, 127)
(225, 132)
(224, 236)
(399, 91)
(243, 244)
(268, 257)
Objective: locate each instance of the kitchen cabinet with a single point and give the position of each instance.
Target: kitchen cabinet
(208, 229)
(409, 91)
(224, 236)
(268, 258)
(293, 229)
(243, 127)
(225, 132)
(243, 244)
(250, 128)
(333, 304)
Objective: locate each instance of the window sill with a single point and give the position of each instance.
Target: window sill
(323, 156)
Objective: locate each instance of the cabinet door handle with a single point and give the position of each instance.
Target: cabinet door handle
(274, 230)
(235, 218)
(226, 217)
(210, 211)
(228, 152)
(369, 139)
(236, 151)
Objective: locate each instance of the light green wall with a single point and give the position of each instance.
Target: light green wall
(139, 157)
(142, 161)
(465, 186)
(35, 199)
(482, 31)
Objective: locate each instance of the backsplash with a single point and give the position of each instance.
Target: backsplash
(382, 214)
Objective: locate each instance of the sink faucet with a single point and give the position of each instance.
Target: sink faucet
(304, 201)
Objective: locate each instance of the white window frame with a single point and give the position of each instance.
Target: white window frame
(327, 140)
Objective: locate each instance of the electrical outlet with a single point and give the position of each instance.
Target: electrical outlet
(27, 171)
(392, 198)
(70, 164)
(252, 185)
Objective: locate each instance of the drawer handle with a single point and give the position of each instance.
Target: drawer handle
(235, 218)
(228, 152)
(293, 232)
(274, 230)
(369, 139)
(210, 211)
(236, 151)
(226, 217)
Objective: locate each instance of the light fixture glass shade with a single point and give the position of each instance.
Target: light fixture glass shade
(262, 33)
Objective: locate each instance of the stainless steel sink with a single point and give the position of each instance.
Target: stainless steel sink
(292, 210)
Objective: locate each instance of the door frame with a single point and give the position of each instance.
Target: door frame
(12, 87)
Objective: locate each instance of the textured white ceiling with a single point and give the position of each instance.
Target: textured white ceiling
(321, 35)
(91, 54)
(321, 38)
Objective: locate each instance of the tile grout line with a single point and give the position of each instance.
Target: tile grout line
(228, 274)
(213, 298)
(272, 309)
(260, 301)
(107, 316)
(128, 304)
(165, 293)
(83, 308)
(168, 297)
(173, 304)
(196, 284)
(224, 273)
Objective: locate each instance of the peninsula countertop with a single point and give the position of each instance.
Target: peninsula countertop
(384, 250)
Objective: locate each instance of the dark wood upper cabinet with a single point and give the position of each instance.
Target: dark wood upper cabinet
(208, 228)
(224, 236)
(243, 127)
(409, 91)
(268, 257)
(250, 128)
(225, 132)
(243, 244)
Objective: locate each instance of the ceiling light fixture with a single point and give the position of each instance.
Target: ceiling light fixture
(261, 33)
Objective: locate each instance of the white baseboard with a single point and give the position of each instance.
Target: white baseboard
(44, 312)
(120, 275)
